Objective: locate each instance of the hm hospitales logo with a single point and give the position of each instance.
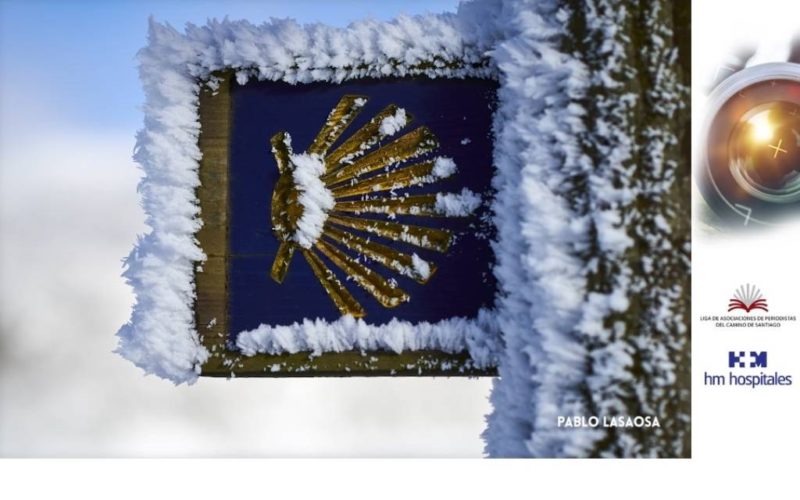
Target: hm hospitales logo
(747, 369)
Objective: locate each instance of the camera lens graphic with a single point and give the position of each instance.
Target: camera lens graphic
(751, 169)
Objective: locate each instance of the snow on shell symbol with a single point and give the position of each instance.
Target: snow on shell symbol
(320, 198)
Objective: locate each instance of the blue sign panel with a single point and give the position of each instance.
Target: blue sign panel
(370, 198)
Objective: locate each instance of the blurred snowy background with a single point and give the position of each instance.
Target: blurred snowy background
(69, 213)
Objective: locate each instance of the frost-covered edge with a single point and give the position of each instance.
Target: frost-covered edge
(161, 337)
(451, 335)
(608, 318)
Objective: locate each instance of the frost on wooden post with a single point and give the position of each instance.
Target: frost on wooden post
(606, 174)
(321, 194)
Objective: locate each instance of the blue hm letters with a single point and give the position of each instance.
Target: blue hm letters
(739, 360)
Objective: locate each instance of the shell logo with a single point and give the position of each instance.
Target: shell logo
(341, 204)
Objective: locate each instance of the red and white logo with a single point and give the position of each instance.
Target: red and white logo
(747, 297)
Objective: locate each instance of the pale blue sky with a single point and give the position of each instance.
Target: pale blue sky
(79, 56)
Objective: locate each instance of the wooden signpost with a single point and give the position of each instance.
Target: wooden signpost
(503, 190)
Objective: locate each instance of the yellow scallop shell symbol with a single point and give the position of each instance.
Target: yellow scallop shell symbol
(320, 199)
